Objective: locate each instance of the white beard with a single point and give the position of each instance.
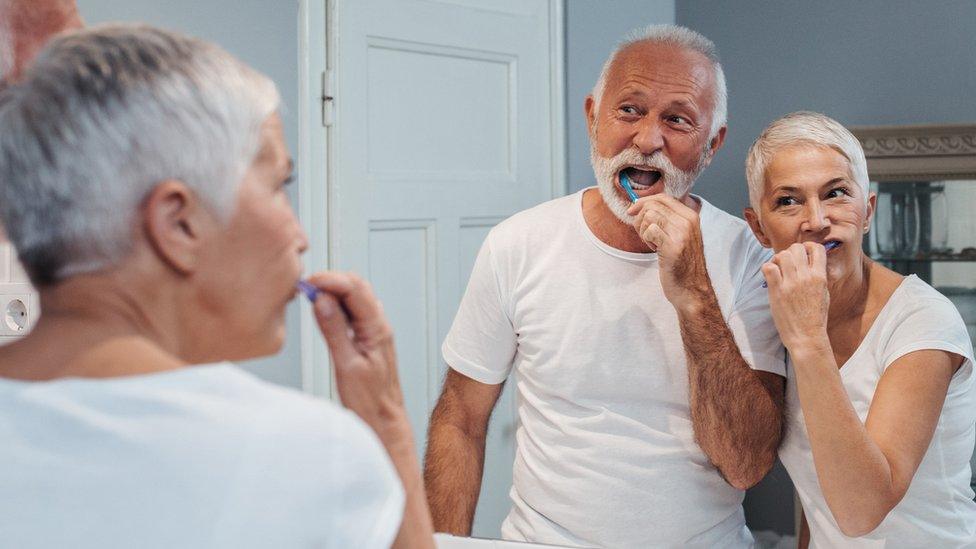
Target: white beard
(677, 182)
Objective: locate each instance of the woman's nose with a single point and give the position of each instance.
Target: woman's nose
(816, 218)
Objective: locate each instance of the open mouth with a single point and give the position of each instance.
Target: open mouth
(641, 179)
(832, 245)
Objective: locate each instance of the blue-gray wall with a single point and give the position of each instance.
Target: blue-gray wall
(593, 28)
(263, 34)
(864, 62)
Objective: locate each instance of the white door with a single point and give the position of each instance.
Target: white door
(447, 120)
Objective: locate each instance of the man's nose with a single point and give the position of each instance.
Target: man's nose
(649, 138)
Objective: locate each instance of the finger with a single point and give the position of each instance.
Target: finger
(334, 326)
(818, 258)
(353, 293)
(771, 272)
(655, 237)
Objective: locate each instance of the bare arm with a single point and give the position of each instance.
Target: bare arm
(456, 451)
(361, 344)
(737, 412)
(864, 469)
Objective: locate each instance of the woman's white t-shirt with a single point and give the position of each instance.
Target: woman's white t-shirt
(203, 456)
(938, 509)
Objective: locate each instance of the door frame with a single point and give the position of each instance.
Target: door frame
(317, 29)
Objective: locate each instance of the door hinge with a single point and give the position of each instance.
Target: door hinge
(328, 97)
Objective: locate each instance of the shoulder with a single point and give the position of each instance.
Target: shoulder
(915, 298)
(287, 415)
(536, 223)
(730, 237)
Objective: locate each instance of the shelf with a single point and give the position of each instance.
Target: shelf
(933, 259)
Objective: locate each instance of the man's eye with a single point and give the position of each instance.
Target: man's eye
(839, 191)
(785, 201)
(628, 109)
(678, 119)
(289, 180)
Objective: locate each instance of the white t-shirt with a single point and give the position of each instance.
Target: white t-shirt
(938, 509)
(204, 456)
(605, 448)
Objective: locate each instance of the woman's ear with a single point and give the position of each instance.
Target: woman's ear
(753, 220)
(174, 223)
(872, 205)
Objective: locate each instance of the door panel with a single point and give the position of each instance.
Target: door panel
(444, 118)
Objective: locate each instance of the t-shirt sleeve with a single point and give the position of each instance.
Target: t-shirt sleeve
(751, 321)
(929, 323)
(482, 340)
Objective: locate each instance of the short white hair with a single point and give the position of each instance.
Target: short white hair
(100, 118)
(803, 128)
(681, 37)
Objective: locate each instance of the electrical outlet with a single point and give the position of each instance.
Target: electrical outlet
(16, 316)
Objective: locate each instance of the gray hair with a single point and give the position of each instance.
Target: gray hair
(102, 116)
(684, 38)
(803, 128)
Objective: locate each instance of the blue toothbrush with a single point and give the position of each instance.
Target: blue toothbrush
(311, 292)
(625, 183)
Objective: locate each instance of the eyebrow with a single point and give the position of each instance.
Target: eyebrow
(789, 188)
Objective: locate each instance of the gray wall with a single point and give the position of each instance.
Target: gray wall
(593, 28)
(263, 34)
(866, 62)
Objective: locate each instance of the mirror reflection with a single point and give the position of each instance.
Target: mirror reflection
(493, 273)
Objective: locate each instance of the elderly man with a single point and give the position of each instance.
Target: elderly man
(648, 370)
(144, 178)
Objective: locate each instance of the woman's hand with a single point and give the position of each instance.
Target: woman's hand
(360, 341)
(798, 298)
(364, 358)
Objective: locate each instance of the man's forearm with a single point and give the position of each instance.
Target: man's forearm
(738, 420)
(452, 475)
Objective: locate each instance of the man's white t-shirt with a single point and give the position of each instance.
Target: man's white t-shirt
(605, 451)
(938, 509)
(204, 456)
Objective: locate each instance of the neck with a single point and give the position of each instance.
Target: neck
(610, 229)
(96, 326)
(849, 295)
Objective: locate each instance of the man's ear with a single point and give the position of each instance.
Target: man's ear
(753, 220)
(589, 108)
(174, 223)
(716, 143)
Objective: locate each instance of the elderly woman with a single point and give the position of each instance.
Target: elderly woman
(881, 394)
(143, 184)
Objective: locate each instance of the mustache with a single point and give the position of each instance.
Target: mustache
(656, 160)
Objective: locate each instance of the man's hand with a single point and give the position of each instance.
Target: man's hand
(673, 230)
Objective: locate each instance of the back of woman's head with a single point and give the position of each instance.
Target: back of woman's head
(101, 118)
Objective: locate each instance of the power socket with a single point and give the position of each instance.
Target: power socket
(16, 315)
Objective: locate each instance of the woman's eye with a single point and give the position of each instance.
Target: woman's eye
(785, 201)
